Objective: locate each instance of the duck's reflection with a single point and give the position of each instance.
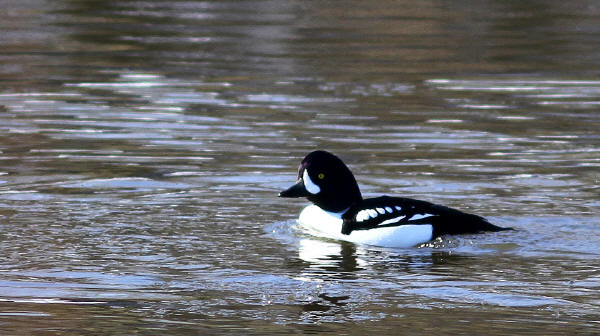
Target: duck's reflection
(339, 256)
(344, 259)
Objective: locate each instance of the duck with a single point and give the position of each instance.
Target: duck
(338, 210)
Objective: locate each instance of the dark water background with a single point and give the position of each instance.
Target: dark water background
(143, 143)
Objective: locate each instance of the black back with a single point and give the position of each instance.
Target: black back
(443, 219)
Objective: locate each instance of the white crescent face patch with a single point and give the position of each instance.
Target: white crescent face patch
(309, 184)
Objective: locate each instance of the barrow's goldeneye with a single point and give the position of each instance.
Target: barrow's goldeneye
(340, 212)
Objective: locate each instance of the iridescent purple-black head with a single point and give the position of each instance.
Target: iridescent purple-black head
(326, 181)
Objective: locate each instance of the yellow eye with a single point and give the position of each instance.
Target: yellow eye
(321, 176)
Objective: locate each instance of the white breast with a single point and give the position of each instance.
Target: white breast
(329, 225)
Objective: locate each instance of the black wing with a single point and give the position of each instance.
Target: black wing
(388, 211)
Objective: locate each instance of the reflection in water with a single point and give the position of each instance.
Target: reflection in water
(340, 256)
(142, 145)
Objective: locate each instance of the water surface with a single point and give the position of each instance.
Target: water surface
(143, 144)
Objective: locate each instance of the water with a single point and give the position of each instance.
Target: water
(143, 144)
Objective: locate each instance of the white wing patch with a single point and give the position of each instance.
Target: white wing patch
(362, 216)
(367, 214)
(415, 217)
(392, 220)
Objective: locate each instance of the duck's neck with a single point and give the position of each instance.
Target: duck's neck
(338, 202)
(337, 214)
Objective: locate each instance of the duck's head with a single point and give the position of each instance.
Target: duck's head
(326, 181)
